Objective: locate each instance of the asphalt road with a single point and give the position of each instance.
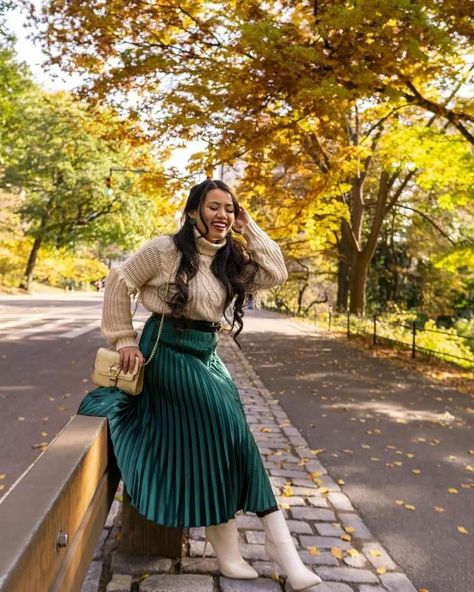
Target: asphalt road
(395, 438)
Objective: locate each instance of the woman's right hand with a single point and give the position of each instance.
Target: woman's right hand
(129, 356)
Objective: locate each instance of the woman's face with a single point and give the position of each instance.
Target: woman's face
(218, 212)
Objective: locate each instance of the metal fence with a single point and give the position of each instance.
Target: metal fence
(373, 327)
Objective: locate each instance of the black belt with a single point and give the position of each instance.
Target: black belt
(184, 323)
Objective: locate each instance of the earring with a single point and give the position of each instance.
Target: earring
(192, 221)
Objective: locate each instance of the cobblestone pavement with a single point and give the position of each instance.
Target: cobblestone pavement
(330, 536)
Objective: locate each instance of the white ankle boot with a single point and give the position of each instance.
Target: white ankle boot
(280, 548)
(224, 539)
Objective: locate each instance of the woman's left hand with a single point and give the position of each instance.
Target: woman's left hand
(242, 220)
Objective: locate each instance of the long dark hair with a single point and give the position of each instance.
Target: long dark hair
(227, 265)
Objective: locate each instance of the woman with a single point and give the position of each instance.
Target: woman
(184, 448)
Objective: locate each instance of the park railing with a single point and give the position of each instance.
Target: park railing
(52, 517)
(407, 334)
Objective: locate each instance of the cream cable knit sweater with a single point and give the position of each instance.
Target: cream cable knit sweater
(148, 272)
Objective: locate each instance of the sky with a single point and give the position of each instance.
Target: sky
(28, 52)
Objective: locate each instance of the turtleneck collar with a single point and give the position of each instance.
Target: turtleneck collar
(204, 246)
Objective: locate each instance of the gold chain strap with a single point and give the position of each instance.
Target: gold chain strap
(160, 328)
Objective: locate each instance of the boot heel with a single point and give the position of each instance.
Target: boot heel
(275, 571)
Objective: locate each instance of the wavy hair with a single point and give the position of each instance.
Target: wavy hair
(228, 264)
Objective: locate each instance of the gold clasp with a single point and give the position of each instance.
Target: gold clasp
(114, 371)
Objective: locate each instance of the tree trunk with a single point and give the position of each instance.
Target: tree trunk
(358, 282)
(26, 284)
(343, 271)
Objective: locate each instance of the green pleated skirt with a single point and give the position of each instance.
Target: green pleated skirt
(183, 446)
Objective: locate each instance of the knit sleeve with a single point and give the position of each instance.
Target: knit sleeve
(150, 261)
(271, 268)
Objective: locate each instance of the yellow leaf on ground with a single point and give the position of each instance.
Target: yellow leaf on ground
(381, 570)
(410, 507)
(398, 463)
(313, 550)
(323, 490)
(438, 509)
(349, 529)
(341, 482)
(365, 445)
(317, 450)
(336, 552)
(346, 537)
(315, 474)
(399, 502)
(2, 487)
(284, 506)
(376, 553)
(462, 530)
(265, 429)
(467, 485)
(3, 475)
(287, 490)
(416, 471)
(470, 468)
(353, 552)
(410, 454)
(423, 590)
(452, 490)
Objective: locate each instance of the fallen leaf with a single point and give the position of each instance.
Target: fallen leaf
(469, 468)
(438, 509)
(3, 475)
(399, 502)
(316, 451)
(44, 434)
(381, 570)
(336, 552)
(452, 490)
(313, 550)
(346, 537)
(349, 529)
(341, 482)
(376, 553)
(21, 418)
(410, 507)
(462, 530)
(353, 552)
(287, 490)
(416, 471)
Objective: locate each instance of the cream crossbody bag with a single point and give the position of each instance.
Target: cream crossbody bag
(107, 361)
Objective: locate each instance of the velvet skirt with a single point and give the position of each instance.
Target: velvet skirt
(183, 446)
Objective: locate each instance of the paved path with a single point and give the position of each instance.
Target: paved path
(331, 536)
(392, 435)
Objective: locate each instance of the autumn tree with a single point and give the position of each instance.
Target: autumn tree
(60, 155)
(285, 86)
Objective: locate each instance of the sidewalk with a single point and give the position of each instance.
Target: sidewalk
(331, 537)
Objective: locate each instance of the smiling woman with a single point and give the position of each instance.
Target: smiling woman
(185, 450)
